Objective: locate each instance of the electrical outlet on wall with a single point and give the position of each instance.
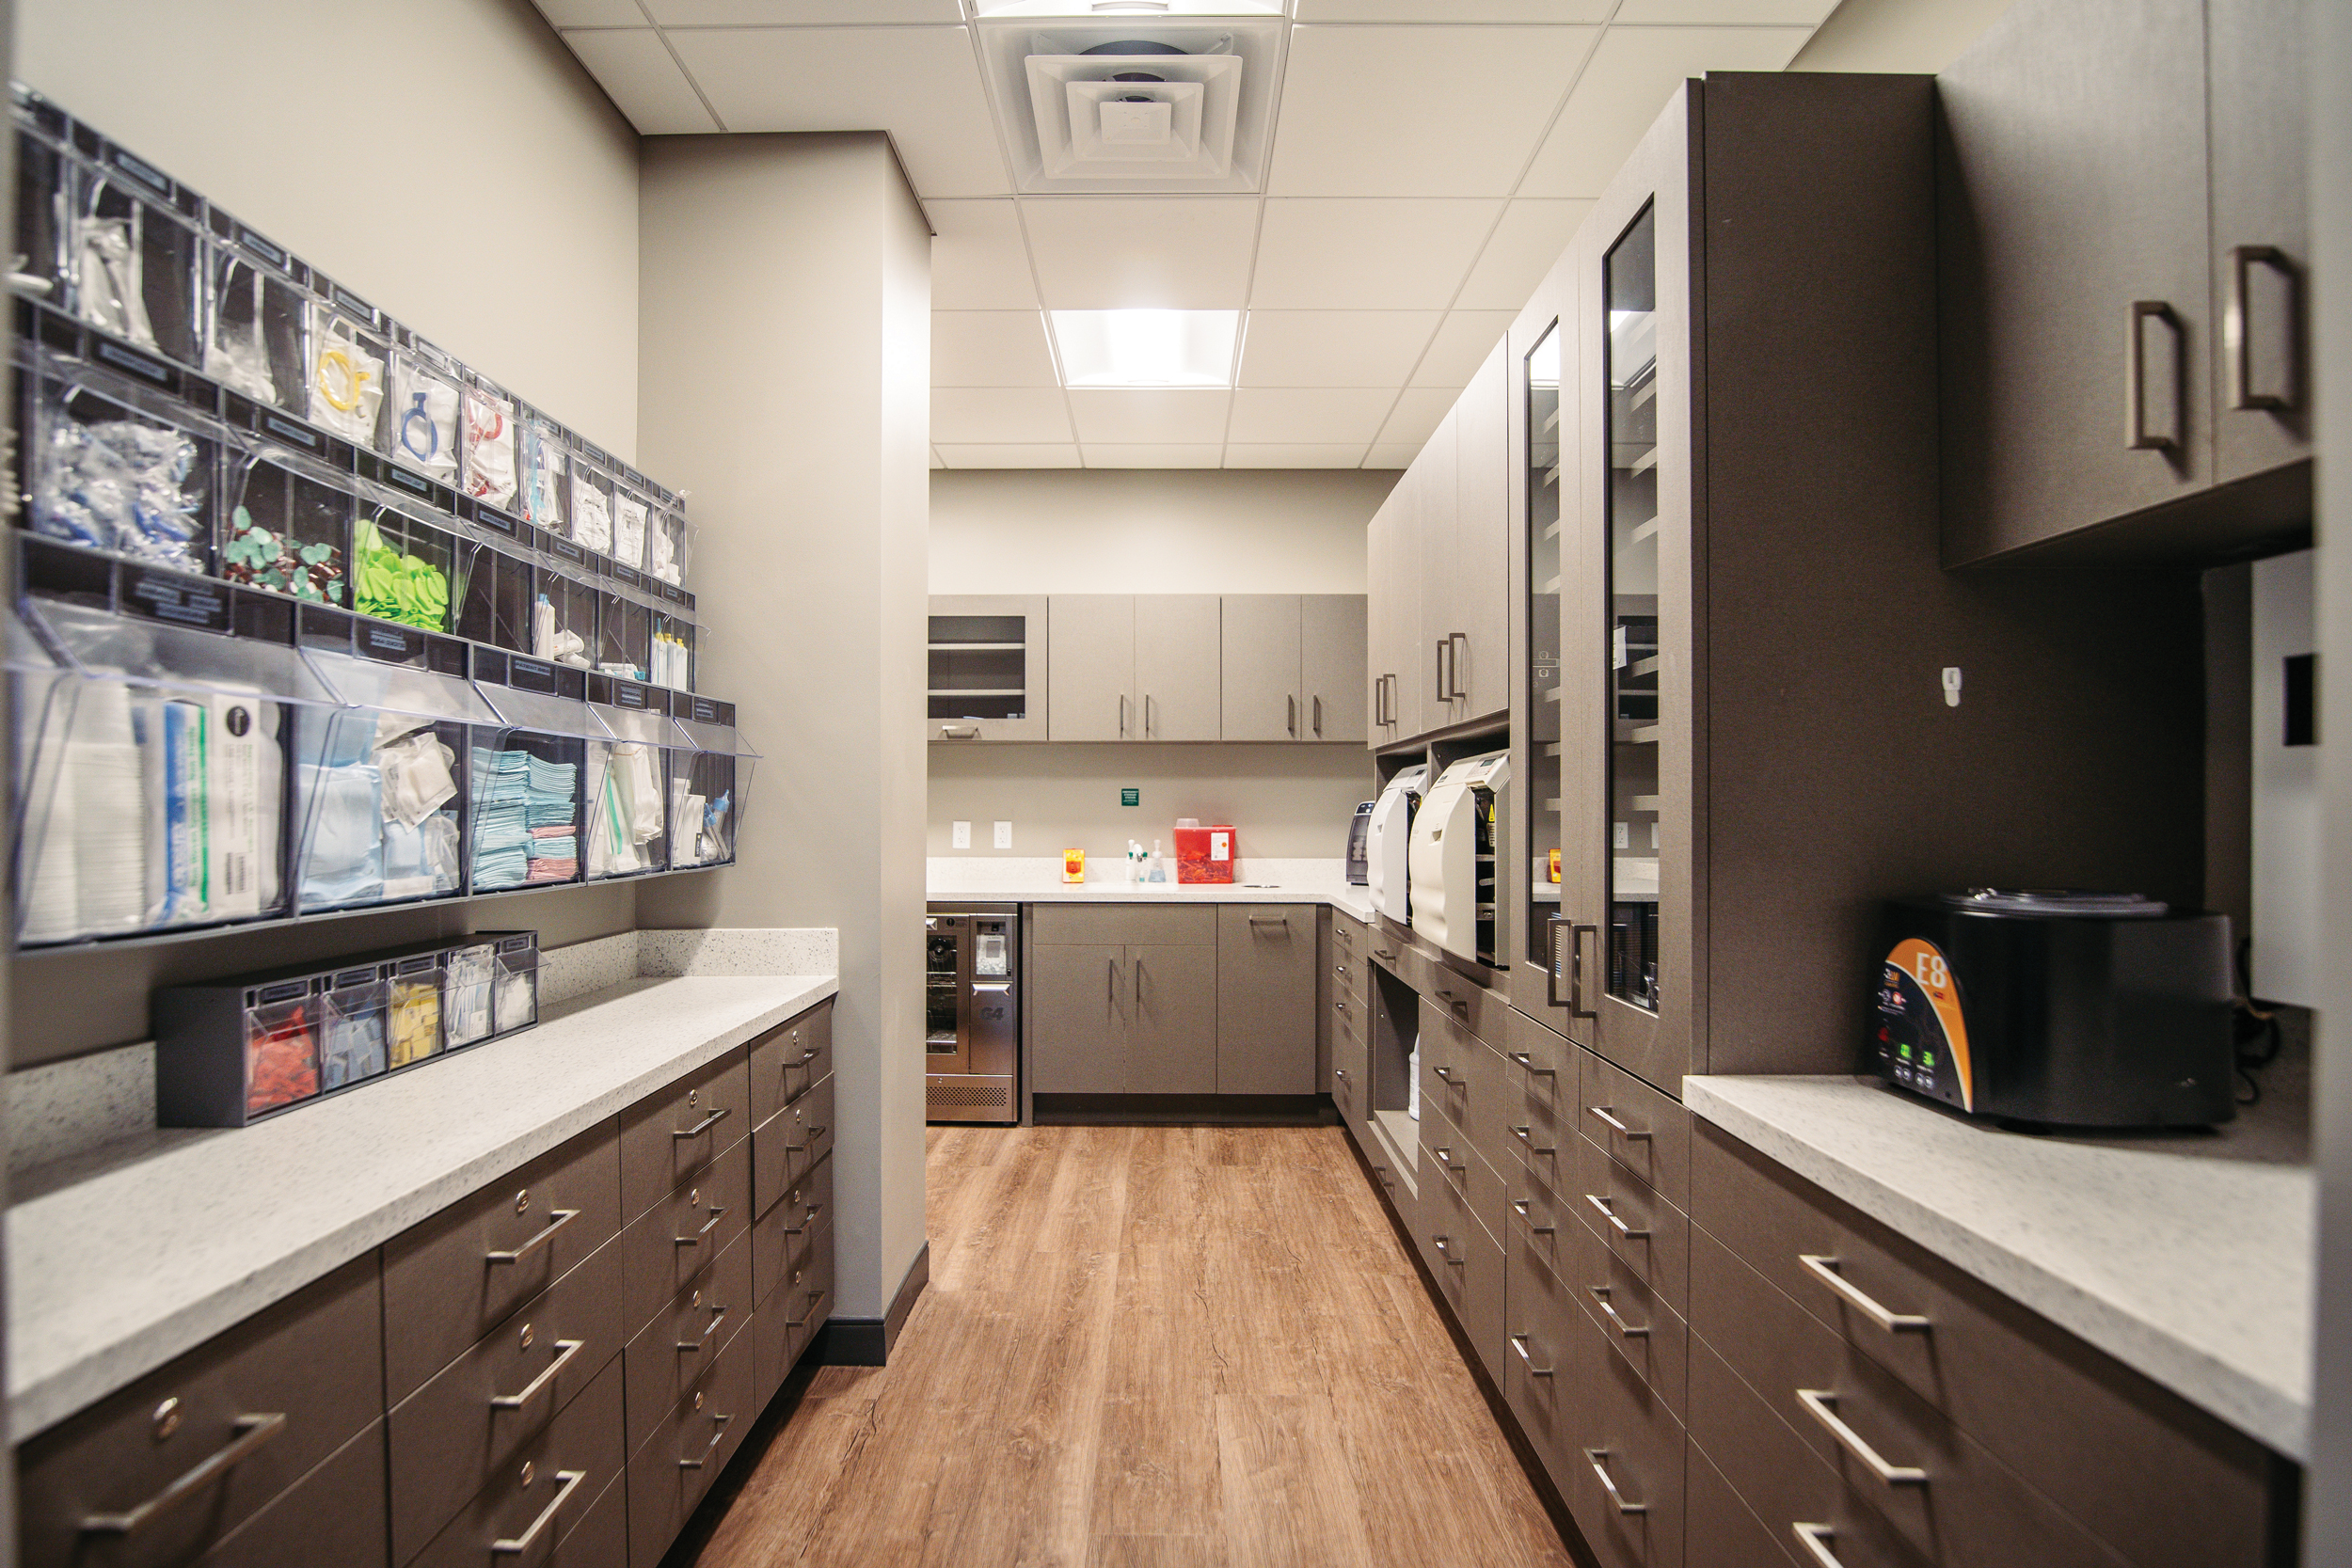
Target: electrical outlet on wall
(1004, 835)
(960, 836)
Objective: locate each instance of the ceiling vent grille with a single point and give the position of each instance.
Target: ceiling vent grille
(1168, 109)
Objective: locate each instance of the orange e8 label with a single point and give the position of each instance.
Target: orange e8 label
(1921, 1037)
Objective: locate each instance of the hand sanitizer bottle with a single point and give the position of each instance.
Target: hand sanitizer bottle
(1159, 864)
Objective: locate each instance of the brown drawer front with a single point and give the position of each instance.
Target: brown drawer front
(788, 1059)
(667, 1250)
(673, 1467)
(1634, 1319)
(600, 1540)
(286, 1388)
(1466, 1264)
(1465, 1078)
(1536, 1215)
(669, 1139)
(790, 1315)
(1956, 1503)
(1347, 933)
(1124, 925)
(455, 1278)
(1537, 1139)
(1344, 1091)
(668, 1354)
(1646, 1132)
(1543, 1068)
(1624, 1438)
(1640, 1230)
(1547, 1354)
(335, 1514)
(2169, 1484)
(1447, 1159)
(457, 1433)
(1717, 1527)
(546, 1487)
(782, 1231)
(1484, 1013)
(790, 1145)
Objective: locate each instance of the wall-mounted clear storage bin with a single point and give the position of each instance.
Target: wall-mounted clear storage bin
(290, 516)
(515, 1002)
(668, 545)
(42, 203)
(592, 506)
(350, 366)
(487, 458)
(424, 424)
(355, 1028)
(546, 500)
(525, 775)
(492, 585)
(625, 646)
(708, 785)
(132, 248)
(565, 608)
(469, 983)
(257, 299)
(628, 782)
(413, 1011)
(111, 464)
(632, 516)
(673, 663)
(401, 567)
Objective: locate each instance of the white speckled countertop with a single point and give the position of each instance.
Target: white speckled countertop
(1030, 879)
(2195, 1271)
(153, 1253)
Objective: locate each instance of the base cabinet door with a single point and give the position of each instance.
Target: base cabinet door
(1077, 1005)
(1171, 1026)
(1266, 999)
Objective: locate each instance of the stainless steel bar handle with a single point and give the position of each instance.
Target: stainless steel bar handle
(1445, 1159)
(809, 1221)
(959, 732)
(1518, 1342)
(814, 1298)
(708, 1225)
(1442, 645)
(1318, 726)
(1293, 719)
(567, 1482)
(2237, 329)
(1815, 1539)
(1533, 1069)
(996, 989)
(1576, 970)
(1599, 1459)
(1443, 1074)
(2136, 437)
(1524, 1136)
(710, 1330)
(814, 1134)
(1817, 1403)
(1445, 1249)
(1122, 715)
(809, 1055)
(251, 1432)
(1608, 1118)
(565, 1350)
(1453, 665)
(713, 1119)
(1608, 1211)
(718, 1435)
(1528, 1214)
(1281, 920)
(1150, 717)
(1625, 1330)
(1825, 1268)
(556, 1221)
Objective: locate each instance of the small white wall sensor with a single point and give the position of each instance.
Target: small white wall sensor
(1951, 686)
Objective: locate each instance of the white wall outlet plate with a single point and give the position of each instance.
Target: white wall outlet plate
(960, 836)
(1625, 835)
(1004, 835)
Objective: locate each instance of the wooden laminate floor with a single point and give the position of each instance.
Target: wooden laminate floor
(1147, 1346)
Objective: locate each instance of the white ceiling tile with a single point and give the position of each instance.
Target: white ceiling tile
(1418, 111)
(990, 348)
(800, 13)
(1150, 417)
(640, 78)
(979, 261)
(1318, 416)
(1009, 456)
(1108, 253)
(1460, 347)
(1392, 454)
(591, 13)
(1725, 13)
(963, 416)
(1632, 75)
(1455, 10)
(1366, 255)
(1526, 244)
(1333, 348)
(1347, 457)
(1191, 457)
(1418, 412)
(920, 83)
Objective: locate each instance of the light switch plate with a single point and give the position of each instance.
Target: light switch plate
(960, 836)
(1004, 835)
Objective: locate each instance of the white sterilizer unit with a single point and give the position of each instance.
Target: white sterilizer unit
(1386, 846)
(1453, 858)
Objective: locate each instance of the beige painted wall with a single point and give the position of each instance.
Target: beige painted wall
(1151, 530)
(806, 254)
(1286, 801)
(447, 159)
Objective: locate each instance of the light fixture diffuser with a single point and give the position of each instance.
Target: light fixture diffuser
(1145, 348)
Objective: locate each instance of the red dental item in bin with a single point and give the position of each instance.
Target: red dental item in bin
(1205, 854)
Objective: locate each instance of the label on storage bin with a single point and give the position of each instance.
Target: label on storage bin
(521, 942)
(392, 644)
(153, 179)
(530, 675)
(286, 430)
(347, 979)
(490, 517)
(183, 601)
(424, 966)
(110, 352)
(563, 549)
(274, 254)
(284, 991)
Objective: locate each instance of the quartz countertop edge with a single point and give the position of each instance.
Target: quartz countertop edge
(1353, 901)
(111, 1276)
(2196, 1273)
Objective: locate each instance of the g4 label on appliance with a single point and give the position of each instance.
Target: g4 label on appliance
(1922, 1039)
(1131, 796)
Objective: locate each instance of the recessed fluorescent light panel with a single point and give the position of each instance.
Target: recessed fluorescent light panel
(1157, 349)
(1114, 10)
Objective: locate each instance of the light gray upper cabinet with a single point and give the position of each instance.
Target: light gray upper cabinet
(1332, 641)
(1478, 672)
(1435, 498)
(987, 678)
(1392, 612)
(1179, 666)
(1092, 660)
(2089, 221)
(1292, 665)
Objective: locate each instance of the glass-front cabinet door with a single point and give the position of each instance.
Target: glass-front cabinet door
(1627, 621)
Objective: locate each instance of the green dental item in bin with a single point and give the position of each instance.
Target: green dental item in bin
(397, 587)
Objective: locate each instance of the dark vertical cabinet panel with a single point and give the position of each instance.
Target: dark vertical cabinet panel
(2259, 121)
(1171, 1037)
(2073, 182)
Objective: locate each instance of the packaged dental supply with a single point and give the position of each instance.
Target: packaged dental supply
(427, 399)
(42, 194)
(632, 512)
(516, 1004)
(350, 366)
(256, 312)
(545, 501)
(667, 546)
(487, 460)
(415, 1029)
(401, 570)
(468, 974)
(592, 507)
(288, 531)
(109, 475)
(354, 1013)
(132, 253)
(563, 620)
(625, 646)
(229, 1052)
